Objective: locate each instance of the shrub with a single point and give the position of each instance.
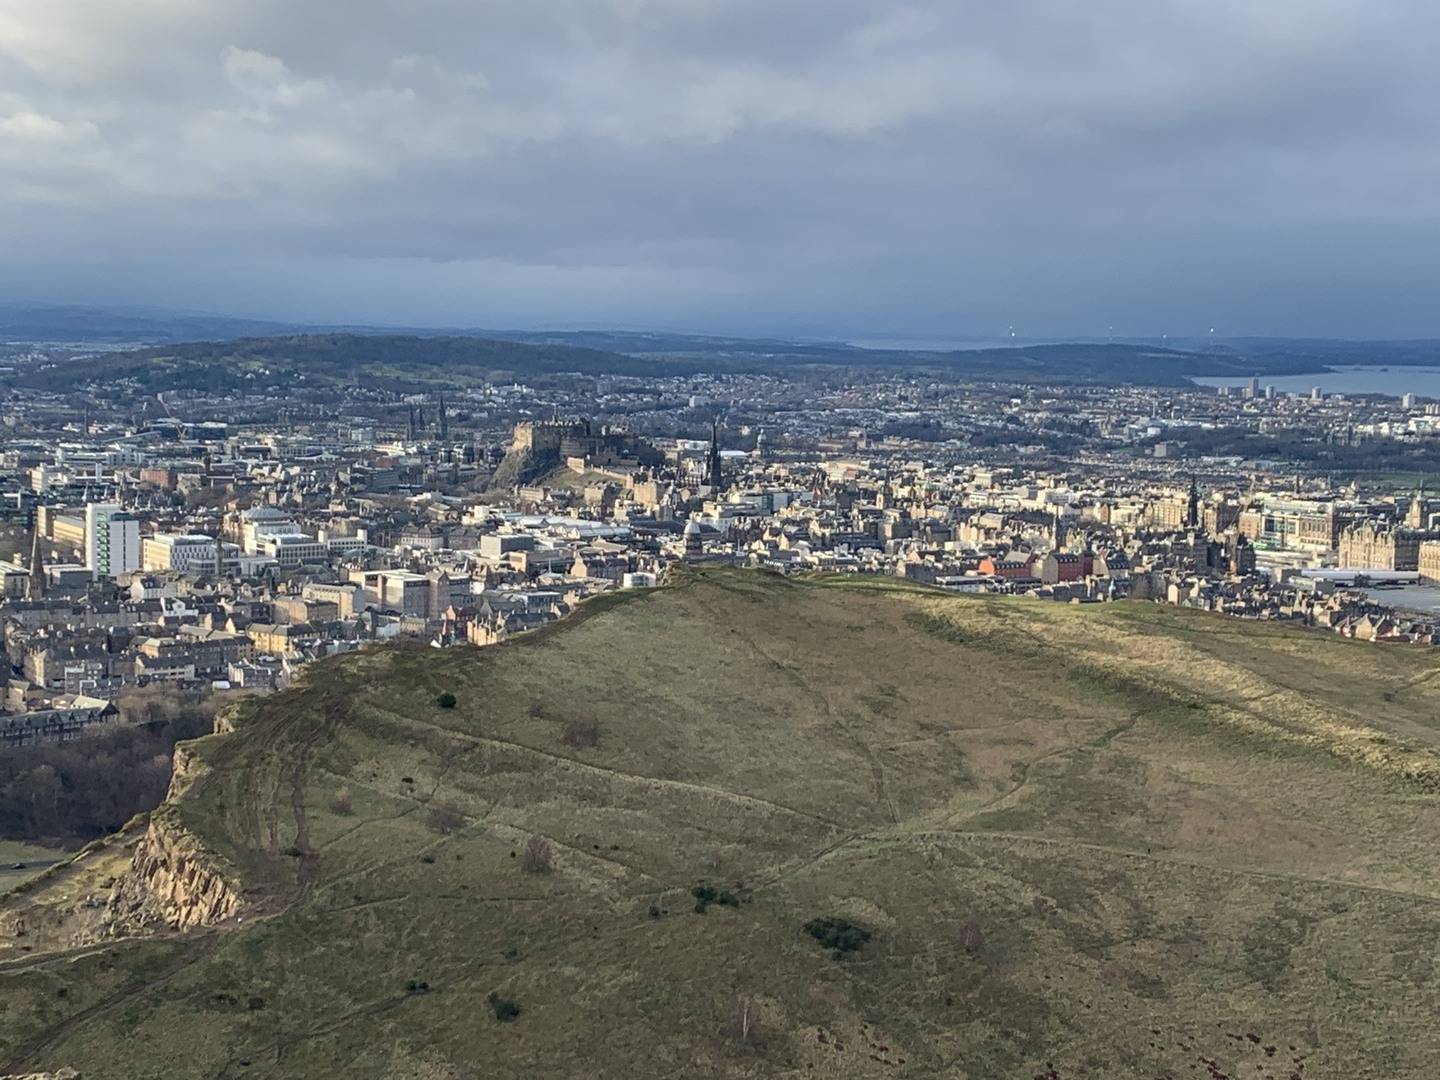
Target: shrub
(446, 700)
(417, 986)
(704, 895)
(505, 1010)
(580, 733)
(445, 819)
(536, 857)
(340, 803)
(839, 934)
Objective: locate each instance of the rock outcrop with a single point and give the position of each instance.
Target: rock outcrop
(174, 880)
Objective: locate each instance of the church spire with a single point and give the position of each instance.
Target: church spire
(37, 567)
(716, 477)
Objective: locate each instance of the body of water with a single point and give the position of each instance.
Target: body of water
(1394, 381)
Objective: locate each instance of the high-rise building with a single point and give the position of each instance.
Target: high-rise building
(112, 540)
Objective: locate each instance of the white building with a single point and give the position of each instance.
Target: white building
(263, 521)
(112, 540)
(182, 553)
(292, 549)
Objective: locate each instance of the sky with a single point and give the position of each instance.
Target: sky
(832, 168)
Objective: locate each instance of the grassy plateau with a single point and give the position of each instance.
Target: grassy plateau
(745, 826)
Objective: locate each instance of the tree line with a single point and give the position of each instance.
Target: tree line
(66, 794)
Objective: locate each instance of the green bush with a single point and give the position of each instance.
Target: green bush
(705, 895)
(505, 1009)
(839, 934)
(446, 700)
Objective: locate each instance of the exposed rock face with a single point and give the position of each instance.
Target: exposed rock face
(63, 1074)
(173, 880)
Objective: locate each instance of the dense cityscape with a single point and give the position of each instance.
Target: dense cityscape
(218, 542)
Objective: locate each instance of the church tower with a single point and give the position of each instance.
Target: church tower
(1192, 507)
(714, 474)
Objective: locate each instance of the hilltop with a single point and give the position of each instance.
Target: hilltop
(1037, 841)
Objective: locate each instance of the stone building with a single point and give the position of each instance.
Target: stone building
(1379, 545)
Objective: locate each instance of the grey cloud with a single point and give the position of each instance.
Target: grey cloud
(820, 164)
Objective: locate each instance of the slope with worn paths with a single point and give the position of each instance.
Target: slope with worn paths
(1118, 840)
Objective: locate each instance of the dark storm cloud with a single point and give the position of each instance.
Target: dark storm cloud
(814, 165)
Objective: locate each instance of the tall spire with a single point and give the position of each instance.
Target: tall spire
(1192, 507)
(716, 477)
(37, 567)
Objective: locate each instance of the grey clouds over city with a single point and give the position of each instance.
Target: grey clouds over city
(831, 168)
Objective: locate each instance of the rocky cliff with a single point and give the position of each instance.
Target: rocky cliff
(173, 879)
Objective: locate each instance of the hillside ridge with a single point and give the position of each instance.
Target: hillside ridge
(1055, 831)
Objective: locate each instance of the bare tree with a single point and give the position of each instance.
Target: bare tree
(744, 1023)
(445, 819)
(971, 937)
(340, 803)
(580, 733)
(536, 858)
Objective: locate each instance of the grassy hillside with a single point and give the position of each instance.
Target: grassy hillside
(1120, 841)
(383, 360)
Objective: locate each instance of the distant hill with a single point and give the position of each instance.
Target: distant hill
(62, 323)
(275, 363)
(415, 360)
(746, 826)
(212, 338)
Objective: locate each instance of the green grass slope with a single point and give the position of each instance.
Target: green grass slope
(1119, 841)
